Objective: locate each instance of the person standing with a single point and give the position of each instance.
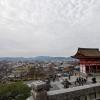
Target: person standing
(69, 76)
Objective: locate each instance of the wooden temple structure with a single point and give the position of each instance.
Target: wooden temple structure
(89, 60)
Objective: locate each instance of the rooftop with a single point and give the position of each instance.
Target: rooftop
(87, 53)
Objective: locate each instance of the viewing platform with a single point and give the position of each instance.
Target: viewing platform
(86, 92)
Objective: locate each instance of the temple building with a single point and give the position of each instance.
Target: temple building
(89, 60)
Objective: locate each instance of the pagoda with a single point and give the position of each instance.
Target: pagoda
(89, 60)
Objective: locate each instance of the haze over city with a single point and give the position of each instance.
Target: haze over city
(48, 27)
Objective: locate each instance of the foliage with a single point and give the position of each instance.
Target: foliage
(14, 91)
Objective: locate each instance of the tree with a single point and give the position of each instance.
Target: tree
(14, 91)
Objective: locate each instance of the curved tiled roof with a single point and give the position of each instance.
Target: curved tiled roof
(87, 53)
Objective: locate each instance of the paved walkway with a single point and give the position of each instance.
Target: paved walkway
(57, 84)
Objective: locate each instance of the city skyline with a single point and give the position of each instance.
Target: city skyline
(48, 28)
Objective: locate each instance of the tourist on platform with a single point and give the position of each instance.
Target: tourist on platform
(54, 78)
(66, 83)
(77, 81)
(85, 81)
(82, 81)
(86, 77)
(69, 76)
(94, 80)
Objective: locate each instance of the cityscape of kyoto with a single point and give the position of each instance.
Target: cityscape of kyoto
(49, 49)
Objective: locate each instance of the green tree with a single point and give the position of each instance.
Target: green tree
(14, 91)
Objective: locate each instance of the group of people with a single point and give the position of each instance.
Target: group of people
(66, 83)
(80, 81)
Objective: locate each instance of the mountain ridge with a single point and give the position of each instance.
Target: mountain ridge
(37, 58)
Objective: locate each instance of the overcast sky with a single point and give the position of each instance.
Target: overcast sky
(48, 27)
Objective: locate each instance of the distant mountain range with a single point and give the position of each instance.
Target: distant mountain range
(38, 58)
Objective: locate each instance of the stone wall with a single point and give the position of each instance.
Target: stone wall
(86, 92)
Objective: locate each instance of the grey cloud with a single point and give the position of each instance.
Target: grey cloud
(48, 27)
